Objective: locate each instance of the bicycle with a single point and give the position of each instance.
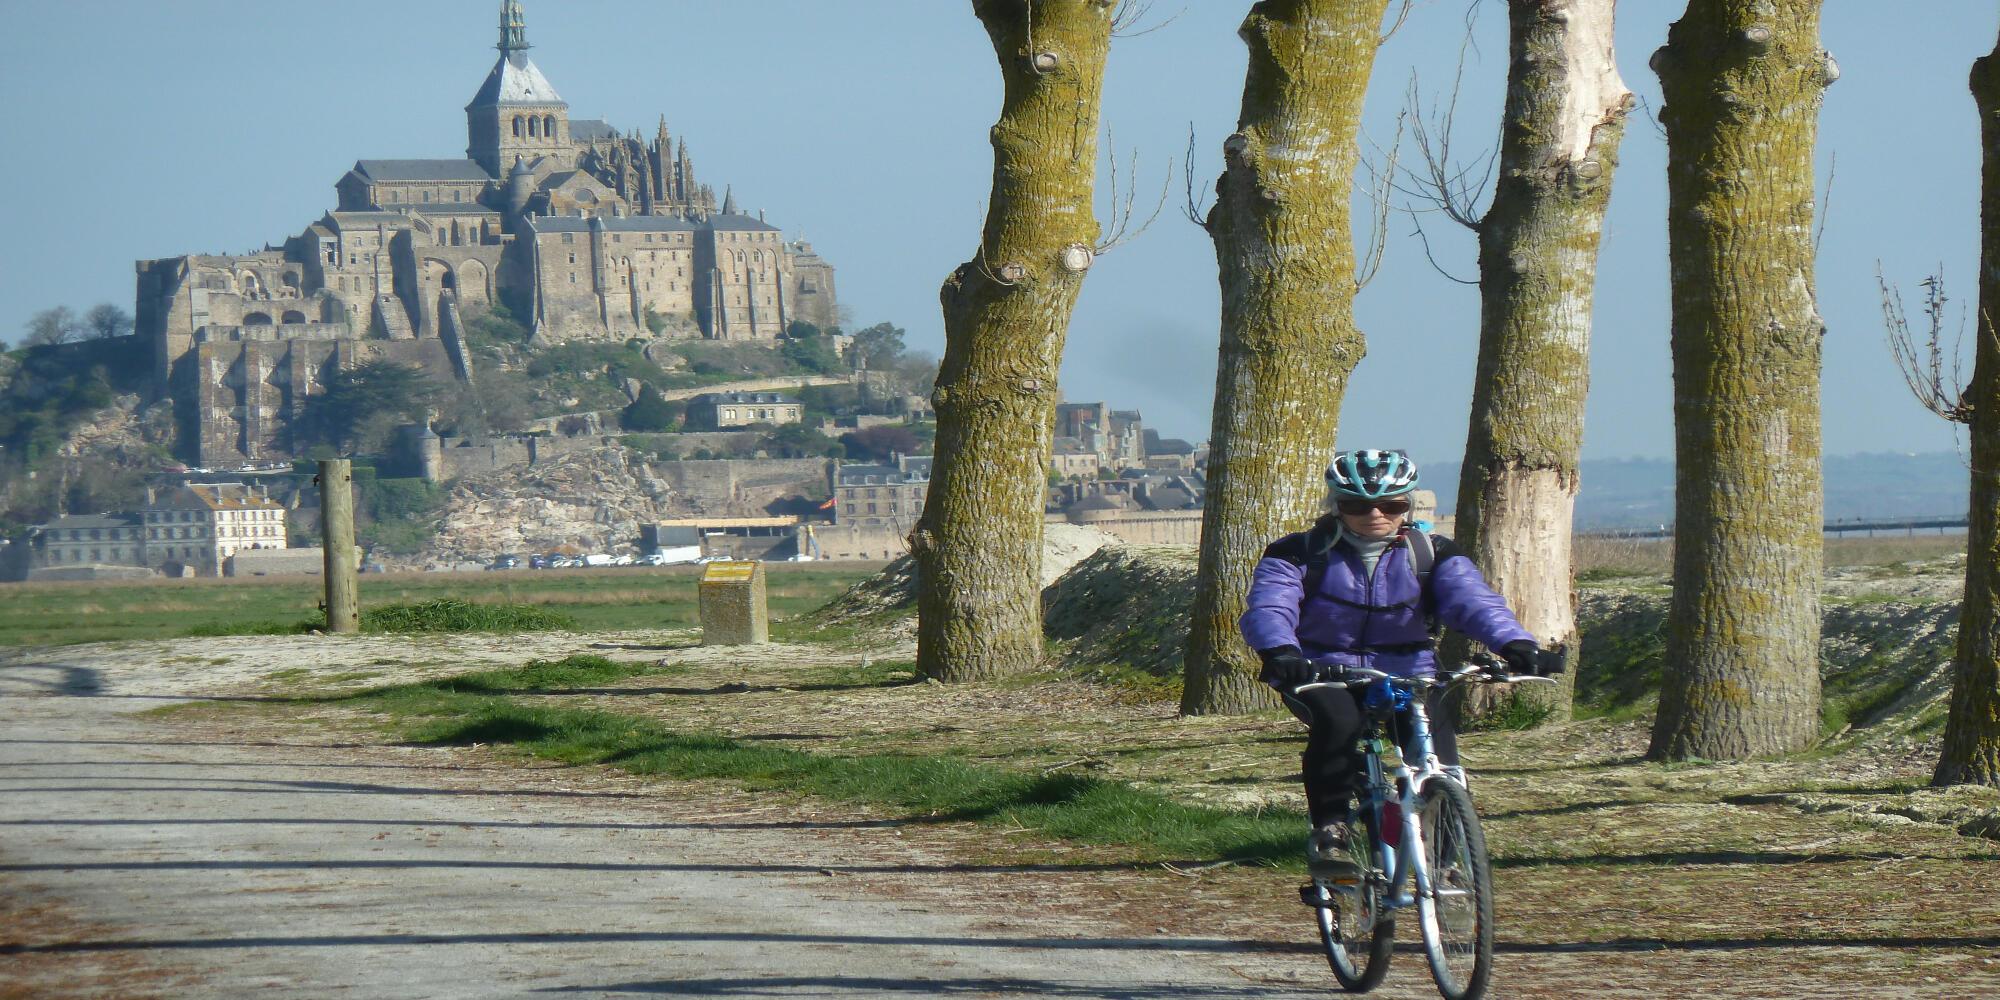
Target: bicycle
(1416, 826)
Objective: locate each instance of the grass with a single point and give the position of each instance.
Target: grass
(470, 709)
(612, 599)
(452, 615)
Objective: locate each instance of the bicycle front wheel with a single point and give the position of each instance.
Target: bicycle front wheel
(1457, 914)
(1356, 932)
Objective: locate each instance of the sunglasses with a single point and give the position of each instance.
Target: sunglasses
(1395, 507)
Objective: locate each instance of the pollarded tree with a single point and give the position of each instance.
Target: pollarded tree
(1972, 726)
(1559, 135)
(1283, 242)
(1743, 82)
(978, 546)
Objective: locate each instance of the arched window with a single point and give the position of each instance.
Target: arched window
(549, 126)
(517, 126)
(533, 126)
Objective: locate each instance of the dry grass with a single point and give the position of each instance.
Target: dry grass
(1600, 558)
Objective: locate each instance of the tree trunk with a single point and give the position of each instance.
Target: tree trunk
(1743, 81)
(1537, 274)
(1283, 242)
(1972, 728)
(978, 545)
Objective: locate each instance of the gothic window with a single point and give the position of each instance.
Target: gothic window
(549, 126)
(517, 126)
(534, 127)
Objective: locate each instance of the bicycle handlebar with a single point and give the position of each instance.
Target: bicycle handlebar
(1481, 670)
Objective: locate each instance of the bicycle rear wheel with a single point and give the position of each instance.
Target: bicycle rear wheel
(1356, 932)
(1457, 916)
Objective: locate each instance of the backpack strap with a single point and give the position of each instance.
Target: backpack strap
(1423, 557)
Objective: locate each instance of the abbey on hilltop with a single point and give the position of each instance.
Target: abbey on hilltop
(582, 232)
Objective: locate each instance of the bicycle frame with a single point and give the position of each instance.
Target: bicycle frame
(1403, 860)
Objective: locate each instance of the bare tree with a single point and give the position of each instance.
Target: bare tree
(1743, 81)
(105, 321)
(56, 325)
(1971, 752)
(1282, 228)
(978, 546)
(1559, 136)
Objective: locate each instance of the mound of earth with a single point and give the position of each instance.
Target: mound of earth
(1125, 605)
(888, 599)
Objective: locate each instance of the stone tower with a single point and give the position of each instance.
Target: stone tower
(517, 112)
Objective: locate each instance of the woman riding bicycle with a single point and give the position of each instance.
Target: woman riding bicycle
(1358, 590)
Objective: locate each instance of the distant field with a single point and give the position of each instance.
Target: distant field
(1609, 557)
(34, 614)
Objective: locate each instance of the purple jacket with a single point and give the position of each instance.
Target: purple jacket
(1347, 617)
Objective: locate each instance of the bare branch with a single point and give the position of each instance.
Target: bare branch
(1402, 15)
(1125, 24)
(1454, 190)
(1195, 206)
(1652, 117)
(1426, 240)
(1826, 202)
(1923, 366)
(1381, 195)
(1120, 231)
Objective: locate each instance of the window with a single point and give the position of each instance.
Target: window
(533, 128)
(549, 126)
(427, 197)
(517, 126)
(570, 238)
(572, 257)
(572, 277)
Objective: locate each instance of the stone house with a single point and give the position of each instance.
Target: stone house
(1071, 458)
(718, 410)
(91, 539)
(197, 526)
(1117, 437)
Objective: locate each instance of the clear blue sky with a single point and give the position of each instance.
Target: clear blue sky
(153, 129)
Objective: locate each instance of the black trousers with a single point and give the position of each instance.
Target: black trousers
(1333, 763)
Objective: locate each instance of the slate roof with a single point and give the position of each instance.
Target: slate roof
(93, 521)
(587, 129)
(740, 222)
(421, 170)
(739, 398)
(612, 224)
(515, 80)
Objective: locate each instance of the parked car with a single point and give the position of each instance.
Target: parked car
(538, 562)
(506, 562)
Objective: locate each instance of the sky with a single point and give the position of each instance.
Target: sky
(142, 130)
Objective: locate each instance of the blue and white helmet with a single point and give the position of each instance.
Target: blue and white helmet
(1370, 474)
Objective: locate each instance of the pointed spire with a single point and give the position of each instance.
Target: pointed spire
(728, 200)
(513, 27)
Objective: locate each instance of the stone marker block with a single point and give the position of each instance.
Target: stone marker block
(733, 608)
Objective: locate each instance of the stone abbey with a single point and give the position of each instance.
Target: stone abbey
(580, 231)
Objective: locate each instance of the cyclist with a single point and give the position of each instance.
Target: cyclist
(1363, 588)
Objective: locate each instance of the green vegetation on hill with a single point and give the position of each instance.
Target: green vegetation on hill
(46, 392)
(598, 599)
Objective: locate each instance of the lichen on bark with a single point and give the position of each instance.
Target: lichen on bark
(1538, 241)
(1283, 242)
(1006, 314)
(1971, 753)
(1743, 82)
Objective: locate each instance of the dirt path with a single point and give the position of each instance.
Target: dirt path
(255, 851)
(295, 866)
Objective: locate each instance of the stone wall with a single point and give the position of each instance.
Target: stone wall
(855, 541)
(276, 562)
(744, 486)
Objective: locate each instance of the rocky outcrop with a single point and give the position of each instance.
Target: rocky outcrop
(588, 501)
(124, 433)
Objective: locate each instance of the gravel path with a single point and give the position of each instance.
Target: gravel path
(286, 866)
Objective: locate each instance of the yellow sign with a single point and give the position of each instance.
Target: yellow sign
(726, 571)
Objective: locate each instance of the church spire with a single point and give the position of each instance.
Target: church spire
(513, 27)
(728, 200)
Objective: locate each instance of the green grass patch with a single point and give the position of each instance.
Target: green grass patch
(452, 615)
(468, 709)
(613, 599)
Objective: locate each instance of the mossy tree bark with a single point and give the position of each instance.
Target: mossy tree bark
(1559, 135)
(978, 546)
(1743, 81)
(1285, 248)
(1972, 726)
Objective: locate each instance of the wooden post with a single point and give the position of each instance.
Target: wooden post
(336, 531)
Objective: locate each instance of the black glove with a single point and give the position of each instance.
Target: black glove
(1522, 657)
(1286, 667)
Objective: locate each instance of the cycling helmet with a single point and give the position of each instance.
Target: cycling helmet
(1370, 474)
